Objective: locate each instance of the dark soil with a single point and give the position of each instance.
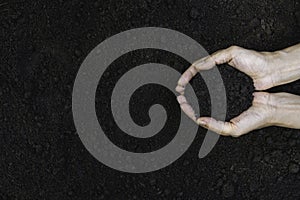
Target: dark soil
(43, 44)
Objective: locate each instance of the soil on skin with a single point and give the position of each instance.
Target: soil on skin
(43, 44)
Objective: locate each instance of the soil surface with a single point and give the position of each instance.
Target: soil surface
(43, 44)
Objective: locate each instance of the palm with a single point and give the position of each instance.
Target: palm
(254, 65)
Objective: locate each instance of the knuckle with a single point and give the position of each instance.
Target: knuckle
(234, 48)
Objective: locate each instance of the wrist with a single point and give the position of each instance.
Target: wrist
(284, 65)
(284, 110)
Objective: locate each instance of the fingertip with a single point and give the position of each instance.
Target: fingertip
(180, 89)
(182, 81)
(181, 99)
(188, 110)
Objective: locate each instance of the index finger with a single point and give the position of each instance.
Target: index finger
(190, 73)
(206, 63)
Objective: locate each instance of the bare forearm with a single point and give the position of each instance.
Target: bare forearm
(286, 62)
(286, 110)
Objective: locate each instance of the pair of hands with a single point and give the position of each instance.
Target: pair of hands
(267, 69)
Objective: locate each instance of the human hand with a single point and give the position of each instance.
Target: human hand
(279, 109)
(266, 70)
